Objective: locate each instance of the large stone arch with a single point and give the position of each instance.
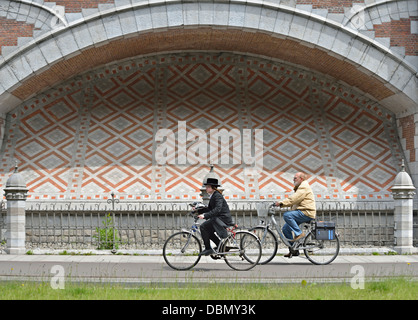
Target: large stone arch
(364, 78)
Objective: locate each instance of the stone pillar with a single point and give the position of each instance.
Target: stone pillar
(403, 192)
(16, 192)
(204, 194)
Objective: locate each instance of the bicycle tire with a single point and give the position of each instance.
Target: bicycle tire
(269, 243)
(323, 251)
(172, 250)
(242, 251)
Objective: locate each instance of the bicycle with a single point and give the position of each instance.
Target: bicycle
(318, 251)
(241, 249)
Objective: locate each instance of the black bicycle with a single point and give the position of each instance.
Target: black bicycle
(241, 249)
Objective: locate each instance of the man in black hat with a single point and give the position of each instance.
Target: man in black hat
(217, 215)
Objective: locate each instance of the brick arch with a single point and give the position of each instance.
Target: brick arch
(11, 29)
(211, 39)
(303, 39)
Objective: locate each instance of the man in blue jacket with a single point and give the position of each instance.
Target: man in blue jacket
(217, 215)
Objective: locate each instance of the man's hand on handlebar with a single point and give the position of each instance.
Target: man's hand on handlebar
(196, 206)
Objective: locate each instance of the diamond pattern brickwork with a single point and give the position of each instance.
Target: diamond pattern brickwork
(96, 134)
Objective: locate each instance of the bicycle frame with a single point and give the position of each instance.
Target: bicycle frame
(317, 251)
(195, 229)
(241, 249)
(288, 242)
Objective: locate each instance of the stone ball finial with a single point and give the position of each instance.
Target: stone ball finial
(15, 180)
(212, 174)
(403, 187)
(403, 179)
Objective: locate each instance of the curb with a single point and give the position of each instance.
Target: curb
(343, 251)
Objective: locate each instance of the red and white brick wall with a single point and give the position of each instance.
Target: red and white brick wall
(408, 134)
(11, 30)
(402, 33)
(384, 49)
(96, 133)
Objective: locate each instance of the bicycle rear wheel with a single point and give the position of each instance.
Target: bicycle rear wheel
(268, 242)
(242, 251)
(321, 251)
(181, 250)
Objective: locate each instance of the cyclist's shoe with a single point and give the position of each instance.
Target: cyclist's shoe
(215, 256)
(299, 236)
(207, 252)
(292, 253)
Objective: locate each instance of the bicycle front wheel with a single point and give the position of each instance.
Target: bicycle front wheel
(268, 242)
(181, 250)
(321, 251)
(242, 251)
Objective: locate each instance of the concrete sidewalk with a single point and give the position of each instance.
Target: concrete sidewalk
(152, 269)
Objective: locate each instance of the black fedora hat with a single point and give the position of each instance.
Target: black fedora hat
(212, 182)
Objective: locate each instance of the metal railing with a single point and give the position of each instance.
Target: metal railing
(127, 225)
(147, 225)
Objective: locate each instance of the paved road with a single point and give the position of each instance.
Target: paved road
(152, 269)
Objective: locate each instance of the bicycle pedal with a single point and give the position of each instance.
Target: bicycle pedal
(292, 253)
(215, 256)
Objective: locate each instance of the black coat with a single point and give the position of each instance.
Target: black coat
(218, 208)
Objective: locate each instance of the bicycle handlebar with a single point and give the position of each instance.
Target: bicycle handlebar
(275, 205)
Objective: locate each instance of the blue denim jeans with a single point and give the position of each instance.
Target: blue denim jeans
(293, 219)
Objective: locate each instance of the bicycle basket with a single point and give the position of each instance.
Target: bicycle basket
(263, 208)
